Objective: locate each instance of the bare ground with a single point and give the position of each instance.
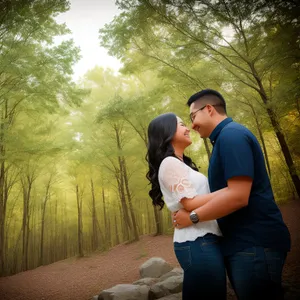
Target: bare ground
(83, 278)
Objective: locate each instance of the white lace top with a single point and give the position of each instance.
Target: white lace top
(177, 181)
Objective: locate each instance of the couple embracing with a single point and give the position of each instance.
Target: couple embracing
(228, 222)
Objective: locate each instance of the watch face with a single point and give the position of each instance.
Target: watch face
(194, 218)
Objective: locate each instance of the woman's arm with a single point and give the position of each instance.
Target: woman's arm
(192, 203)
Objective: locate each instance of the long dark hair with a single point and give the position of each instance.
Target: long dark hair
(161, 131)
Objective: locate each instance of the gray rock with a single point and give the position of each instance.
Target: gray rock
(171, 285)
(155, 267)
(174, 272)
(177, 296)
(146, 281)
(125, 292)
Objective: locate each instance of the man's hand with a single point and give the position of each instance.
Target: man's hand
(181, 219)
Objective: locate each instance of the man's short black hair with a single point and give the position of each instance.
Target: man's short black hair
(206, 92)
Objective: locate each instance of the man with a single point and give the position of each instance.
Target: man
(256, 240)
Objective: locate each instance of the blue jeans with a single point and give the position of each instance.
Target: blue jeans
(255, 273)
(202, 262)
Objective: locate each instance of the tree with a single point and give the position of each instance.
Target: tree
(27, 180)
(79, 196)
(182, 28)
(35, 75)
(48, 184)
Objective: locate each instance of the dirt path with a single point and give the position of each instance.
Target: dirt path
(81, 279)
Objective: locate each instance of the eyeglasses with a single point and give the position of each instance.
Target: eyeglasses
(193, 114)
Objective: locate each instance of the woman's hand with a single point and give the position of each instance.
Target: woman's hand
(181, 219)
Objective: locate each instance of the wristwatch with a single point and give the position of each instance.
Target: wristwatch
(194, 217)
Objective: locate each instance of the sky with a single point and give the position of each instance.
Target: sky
(84, 19)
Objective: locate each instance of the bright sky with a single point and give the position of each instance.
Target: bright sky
(84, 19)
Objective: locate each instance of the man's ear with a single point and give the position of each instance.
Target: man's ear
(210, 108)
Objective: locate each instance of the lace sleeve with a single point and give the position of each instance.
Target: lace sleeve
(174, 178)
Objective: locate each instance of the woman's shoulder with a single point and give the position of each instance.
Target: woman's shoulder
(170, 163)
(171, 159)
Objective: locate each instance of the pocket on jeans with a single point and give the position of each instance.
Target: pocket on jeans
(184, 256)
(209, 239)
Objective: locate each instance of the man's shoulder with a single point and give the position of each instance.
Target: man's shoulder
(236, 134)
(234, 128)
(235, 125)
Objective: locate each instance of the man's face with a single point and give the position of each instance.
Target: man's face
(201, 118)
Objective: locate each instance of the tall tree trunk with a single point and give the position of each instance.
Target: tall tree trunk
(279, 133)
(286, 151)
(134, 224)
(107, 241)
(43, 221)
(28, 236)
(56, 249)
(6, 121)
(123, 207)
(94, 219)
(2, 218)
(158, 220)
(149, 219)
(25, 213)
(120, 180)
(79, 219)
(64, 224)
(116, 231)
(27, 184)
(261, 139)
(7, 237)
(3, 201)
(260, 133)
(17, 264)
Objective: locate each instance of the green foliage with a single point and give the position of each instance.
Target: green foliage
(63, 135)
(248, 50)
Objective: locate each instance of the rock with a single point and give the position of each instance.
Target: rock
(177, 296)
(125, 292)
(174, 272)
(95, 297)
(146, 281)
(171, 285)
(155, 267)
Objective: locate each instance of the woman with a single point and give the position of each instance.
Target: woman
(175, 177)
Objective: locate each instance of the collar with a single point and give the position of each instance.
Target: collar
(214, 135)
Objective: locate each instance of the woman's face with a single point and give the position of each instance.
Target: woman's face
(182, 135)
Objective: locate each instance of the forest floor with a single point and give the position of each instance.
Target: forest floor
(83, 278)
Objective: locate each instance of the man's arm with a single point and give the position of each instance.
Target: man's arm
(231, 200)
(223, 203)
(190, 204)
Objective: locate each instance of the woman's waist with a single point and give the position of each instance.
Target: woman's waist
(197, 230)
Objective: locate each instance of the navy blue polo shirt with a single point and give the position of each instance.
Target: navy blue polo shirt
(236, 152)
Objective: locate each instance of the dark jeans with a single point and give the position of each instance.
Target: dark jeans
(255, 273)
(204, 270)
